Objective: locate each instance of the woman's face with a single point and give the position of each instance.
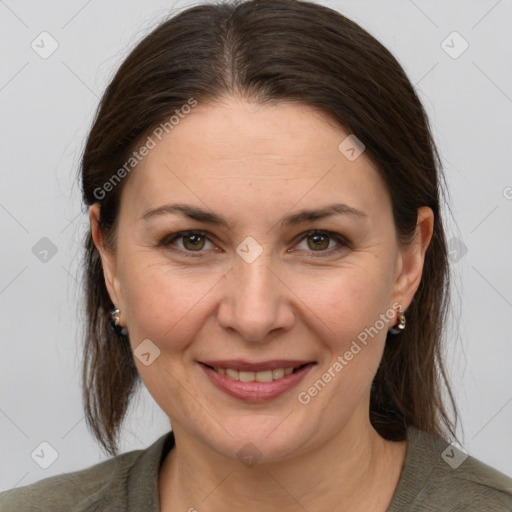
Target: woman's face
(263, 285)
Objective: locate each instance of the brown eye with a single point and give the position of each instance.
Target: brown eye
(187, 242)
(193, 242)
(319, 241)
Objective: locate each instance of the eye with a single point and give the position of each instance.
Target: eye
(320, 242)
(190, 241)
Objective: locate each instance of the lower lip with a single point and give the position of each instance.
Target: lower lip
(256, 391)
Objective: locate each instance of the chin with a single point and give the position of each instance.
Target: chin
(261, 439)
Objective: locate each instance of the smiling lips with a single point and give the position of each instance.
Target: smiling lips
(255, 382)
(264, 376)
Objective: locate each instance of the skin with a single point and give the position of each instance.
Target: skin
(252, 165)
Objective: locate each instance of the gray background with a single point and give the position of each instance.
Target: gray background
(46, 111)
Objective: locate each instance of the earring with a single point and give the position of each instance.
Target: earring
(400, 326)
(114, 315)
(114, 323)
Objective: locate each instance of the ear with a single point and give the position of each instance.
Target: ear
(108, 257)
(412, 257)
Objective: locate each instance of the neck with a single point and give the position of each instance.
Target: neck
(355, 470)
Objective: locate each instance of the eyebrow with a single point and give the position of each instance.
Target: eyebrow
(195, 213)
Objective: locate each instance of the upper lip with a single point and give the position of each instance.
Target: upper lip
(248, 366)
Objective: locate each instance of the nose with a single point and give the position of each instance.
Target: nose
(256, 302)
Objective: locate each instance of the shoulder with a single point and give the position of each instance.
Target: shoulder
(79, 491)
(473, 486)
(440, 476)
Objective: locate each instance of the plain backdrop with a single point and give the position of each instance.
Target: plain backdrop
(459, 56)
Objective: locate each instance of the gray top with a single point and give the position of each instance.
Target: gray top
(436, 478)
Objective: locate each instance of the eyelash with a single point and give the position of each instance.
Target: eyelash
(168, 240)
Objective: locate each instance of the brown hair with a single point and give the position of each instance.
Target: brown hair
(275, 51)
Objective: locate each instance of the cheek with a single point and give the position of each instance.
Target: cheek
(351, 329)
(349, 308)
(166, 308)
(163, 304)
(344, 301)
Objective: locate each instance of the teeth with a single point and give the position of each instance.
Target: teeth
(234, 374)
(246, 376)
(264, 376)
(278, 373)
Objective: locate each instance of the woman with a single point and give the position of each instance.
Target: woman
(267, 256)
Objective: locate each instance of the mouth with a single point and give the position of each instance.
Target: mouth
(267, 375)
(256, 382)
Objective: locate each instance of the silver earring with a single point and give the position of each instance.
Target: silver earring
(114, 323)
(400, 326)
(114, 315)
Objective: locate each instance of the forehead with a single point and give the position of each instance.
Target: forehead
(237, 129)
(242, 151)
